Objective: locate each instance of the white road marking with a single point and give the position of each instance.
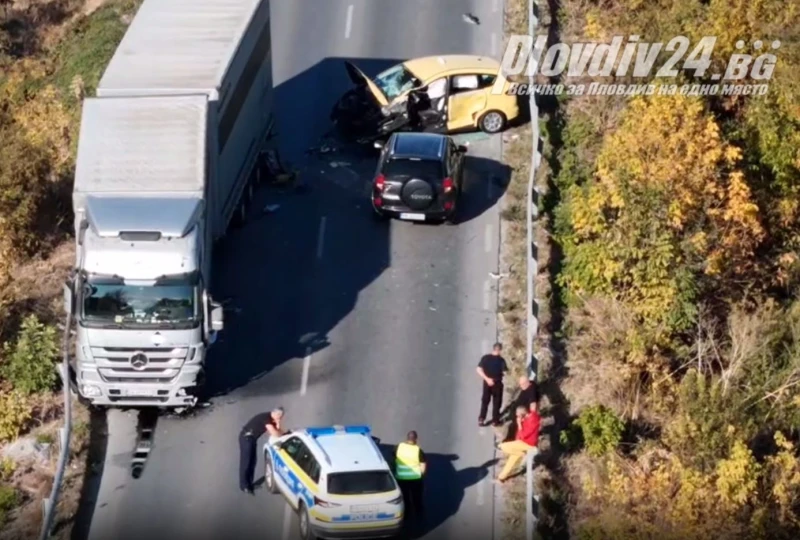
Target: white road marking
(321, 237)
(487, 298)
(487, 239)
(349, 24)
(494, 44)
(287, 522)
(304, 377)
(480, 486)
(495, 5)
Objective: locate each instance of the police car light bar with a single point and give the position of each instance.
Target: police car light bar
(364, 430)
(332, 430)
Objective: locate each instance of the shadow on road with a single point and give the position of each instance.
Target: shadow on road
(485, 181)
(444, 488)
(281, 305)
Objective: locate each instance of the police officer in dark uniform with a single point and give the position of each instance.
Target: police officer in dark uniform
(266, 422)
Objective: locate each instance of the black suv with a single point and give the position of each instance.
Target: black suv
(419, 177)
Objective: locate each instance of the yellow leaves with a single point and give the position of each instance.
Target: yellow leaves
(46, 124)
(784, 472)
(657, 489)
(737, 476)
(593, 29)
(666, 201)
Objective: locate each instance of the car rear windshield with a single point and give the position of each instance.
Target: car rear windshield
(413, 167)
(360, 483)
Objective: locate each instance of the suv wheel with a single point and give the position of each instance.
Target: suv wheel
(269, 475)
(492, 122)
(305, 524)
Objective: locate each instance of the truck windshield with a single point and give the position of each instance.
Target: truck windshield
(140, 306)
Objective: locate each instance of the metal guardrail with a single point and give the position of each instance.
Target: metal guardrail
(532, 498)
(49, 504)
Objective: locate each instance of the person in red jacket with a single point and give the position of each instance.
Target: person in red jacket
(528, 422)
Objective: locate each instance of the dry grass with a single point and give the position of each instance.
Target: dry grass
(36, 288)
(34, 481)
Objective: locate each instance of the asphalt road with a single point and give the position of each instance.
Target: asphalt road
(335, 317)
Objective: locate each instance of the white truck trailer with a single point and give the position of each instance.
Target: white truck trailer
(165, 154)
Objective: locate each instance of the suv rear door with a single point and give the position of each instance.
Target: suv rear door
(399, 171)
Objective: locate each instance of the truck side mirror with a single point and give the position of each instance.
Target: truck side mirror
(68, 297)
(217, 317)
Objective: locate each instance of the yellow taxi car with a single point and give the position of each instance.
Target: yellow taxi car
(442, 94)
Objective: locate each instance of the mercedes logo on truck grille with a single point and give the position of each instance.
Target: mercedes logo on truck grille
(139, 361)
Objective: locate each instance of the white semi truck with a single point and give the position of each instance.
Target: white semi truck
(166, 152)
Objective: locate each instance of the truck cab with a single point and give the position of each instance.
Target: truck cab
(144, 317)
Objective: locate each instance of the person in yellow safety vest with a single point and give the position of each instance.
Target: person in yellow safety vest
(410, 469)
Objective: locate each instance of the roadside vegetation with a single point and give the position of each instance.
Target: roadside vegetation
(669, 311)
(52, 53)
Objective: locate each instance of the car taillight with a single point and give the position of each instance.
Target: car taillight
(324, 504)
(447, 185)
(380, 182)
(448, 205)
(378, 201)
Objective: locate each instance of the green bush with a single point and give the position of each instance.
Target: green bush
(29, 362)
(600, 429)
(8, 500)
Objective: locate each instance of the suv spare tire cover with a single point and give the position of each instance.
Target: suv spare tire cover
(418, 194)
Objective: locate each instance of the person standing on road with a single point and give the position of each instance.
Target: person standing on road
(528, 423)
(409, 469)
(491, 369)
(266, 422)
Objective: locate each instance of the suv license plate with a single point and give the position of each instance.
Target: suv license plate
(413, 217)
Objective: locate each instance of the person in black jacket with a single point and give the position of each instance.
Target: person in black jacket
(266, 422)
(491, 369)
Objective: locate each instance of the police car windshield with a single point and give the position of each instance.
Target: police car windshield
(360, 483)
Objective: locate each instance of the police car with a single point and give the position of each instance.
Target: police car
(338, 482)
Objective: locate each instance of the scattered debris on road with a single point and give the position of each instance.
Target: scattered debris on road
(497, 276)
(271, 208)
(472, 19)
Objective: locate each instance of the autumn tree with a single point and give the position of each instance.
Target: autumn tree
(666, 211)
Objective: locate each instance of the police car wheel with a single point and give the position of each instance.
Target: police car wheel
(269, 475)
(305, 527)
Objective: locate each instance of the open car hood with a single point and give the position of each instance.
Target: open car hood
(359, 79)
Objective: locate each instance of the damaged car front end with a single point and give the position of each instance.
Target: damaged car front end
(370, 111)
